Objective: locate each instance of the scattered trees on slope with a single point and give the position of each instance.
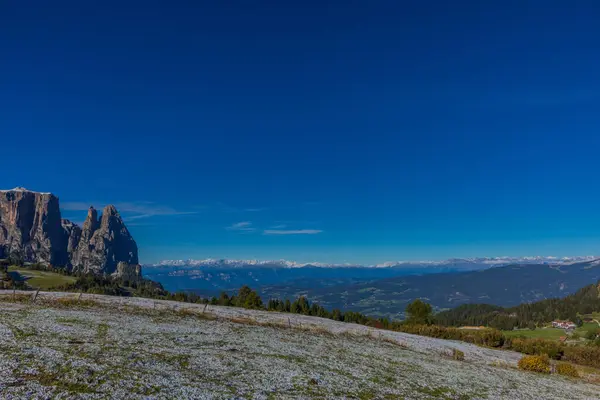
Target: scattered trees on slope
(584, 301)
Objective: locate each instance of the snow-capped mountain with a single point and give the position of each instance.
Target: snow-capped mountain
(483, 261)
(229, 263)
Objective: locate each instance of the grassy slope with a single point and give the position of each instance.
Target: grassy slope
(137, 354)
(40, 279)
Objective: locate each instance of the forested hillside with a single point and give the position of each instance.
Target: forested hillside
(585, 301)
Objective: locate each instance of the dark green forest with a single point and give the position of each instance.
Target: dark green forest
(585, 301)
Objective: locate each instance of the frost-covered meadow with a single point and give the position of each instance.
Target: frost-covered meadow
(124, 348)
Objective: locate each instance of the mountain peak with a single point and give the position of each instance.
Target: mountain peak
(110, 210)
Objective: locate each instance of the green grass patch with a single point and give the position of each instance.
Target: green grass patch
(543, 333)
(587, 326)
(40, 279)
(102, 331)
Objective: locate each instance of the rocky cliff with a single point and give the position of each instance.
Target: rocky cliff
(30, 227)
(32, 230)
(104, 243)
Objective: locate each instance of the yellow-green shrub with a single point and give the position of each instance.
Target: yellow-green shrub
(535, 364)
(567, 369)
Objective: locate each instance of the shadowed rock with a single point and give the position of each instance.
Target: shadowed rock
(30, 227)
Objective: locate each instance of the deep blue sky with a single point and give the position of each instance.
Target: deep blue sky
(365, 130)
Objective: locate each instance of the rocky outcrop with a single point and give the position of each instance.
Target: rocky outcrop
(128, 272)
(104, 243)
(31, 229)
(72, 236)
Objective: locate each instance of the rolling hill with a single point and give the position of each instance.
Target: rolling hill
(101, 347)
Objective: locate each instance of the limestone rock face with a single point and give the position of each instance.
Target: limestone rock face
(128, 272)
(73, 235)
(31, 228)
(104, 243)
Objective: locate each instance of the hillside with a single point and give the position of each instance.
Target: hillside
(503, 286)
(585, 301)
(39, 279)
(72, 348)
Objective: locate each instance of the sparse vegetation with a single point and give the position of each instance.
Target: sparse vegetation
(458, 355)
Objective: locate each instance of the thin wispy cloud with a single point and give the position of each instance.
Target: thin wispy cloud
(280, 226)
(244, 226)
(290, 222)
(75, 206)
(292, 231)
(140, 224)
(140, 210)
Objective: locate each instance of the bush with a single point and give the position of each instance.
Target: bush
(458, 355)
(583, 355)
(535, 364)
(551, 348)
(591, 334)
(567, 370)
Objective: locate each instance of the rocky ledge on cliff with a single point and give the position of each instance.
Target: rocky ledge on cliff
(32, 230)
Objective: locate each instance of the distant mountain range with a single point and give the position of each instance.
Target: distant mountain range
(475, 263)
(385, 290)
(502, 286)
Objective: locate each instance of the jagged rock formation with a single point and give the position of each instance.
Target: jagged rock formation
(104, 243)
(32, 230)
(73, 235)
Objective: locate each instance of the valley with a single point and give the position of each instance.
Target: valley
(385, 292)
